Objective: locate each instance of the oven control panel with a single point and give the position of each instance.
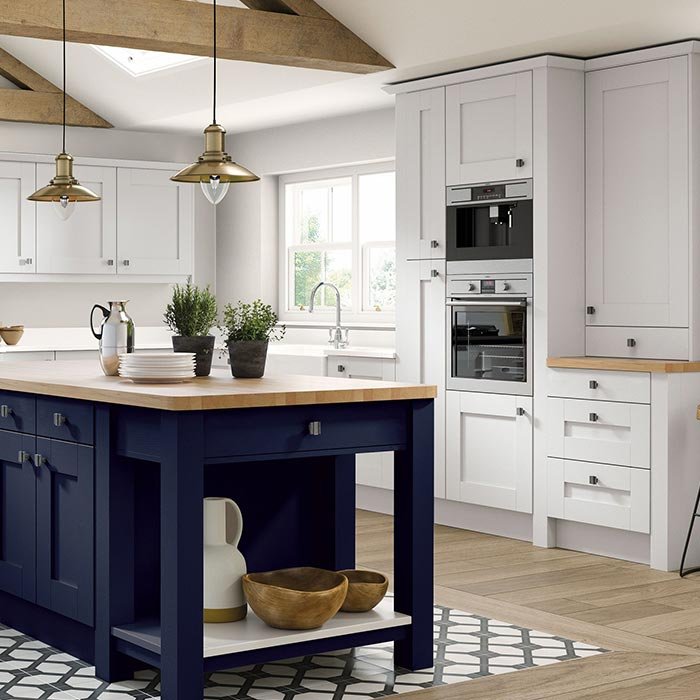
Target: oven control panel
(460, 286)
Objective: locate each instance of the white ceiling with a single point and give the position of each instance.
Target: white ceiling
(421, 37)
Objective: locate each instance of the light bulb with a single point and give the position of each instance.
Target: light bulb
(63, 207)
(214, 190)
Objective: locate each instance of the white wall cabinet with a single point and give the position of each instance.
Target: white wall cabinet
(87, 242)
(17, 222)
(155, 223)
(489, 129)
(489, 450)
(420, 174)
(637, 190)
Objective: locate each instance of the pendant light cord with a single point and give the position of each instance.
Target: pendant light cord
(215, 47)
(64, 76)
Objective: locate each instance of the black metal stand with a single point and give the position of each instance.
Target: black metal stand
(696, 514)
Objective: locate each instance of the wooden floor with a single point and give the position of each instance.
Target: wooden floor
(649, 619)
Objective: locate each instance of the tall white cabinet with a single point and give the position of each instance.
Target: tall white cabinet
(637, 210)
(17, 222)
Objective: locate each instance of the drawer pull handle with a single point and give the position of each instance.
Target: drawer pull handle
(39, 460)
(593, 417)
(59, 419)
(434, 273)
(22, 457)
(593, 384)
(519, 162)
(631, 342)
(315, 428)
(519, 411)
(593, 480)
(341, 368)
(434, 244)
(5, 411)
(590, 310)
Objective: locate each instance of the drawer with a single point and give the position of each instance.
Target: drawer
(649, 343)
(287, 430)
(599, 494)
(632, 387)
(600, 431)
(65, 419)
(17, 412)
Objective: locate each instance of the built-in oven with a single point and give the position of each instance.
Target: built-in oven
(490, 221)
(489, 322)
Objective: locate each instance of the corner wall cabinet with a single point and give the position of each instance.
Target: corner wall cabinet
(17, 222)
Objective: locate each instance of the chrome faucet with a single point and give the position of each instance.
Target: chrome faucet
(338, 336)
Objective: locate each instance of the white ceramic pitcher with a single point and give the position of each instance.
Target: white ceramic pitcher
(224, 565)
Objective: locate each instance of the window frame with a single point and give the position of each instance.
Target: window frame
(359, 252)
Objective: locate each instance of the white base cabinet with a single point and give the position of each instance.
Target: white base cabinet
(489, 450)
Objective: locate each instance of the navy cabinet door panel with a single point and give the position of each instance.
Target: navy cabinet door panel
(65, 529)
(65, 419)
(17, 516)
(19, 412)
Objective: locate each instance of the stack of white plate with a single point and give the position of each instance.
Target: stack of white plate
(157, 368)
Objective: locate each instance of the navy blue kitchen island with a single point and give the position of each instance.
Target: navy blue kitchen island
(102, 486)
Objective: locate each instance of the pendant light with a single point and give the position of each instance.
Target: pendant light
(215, 170)
(64, 190)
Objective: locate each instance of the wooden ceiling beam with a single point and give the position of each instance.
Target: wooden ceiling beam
(304, 8)
(180, 26)
(39, 100)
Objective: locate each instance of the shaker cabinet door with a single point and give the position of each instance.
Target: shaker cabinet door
(489, 450)
(87, 242)
(17, 222)
(155, 223)
(637, 237)
(17, 515)
(489, 129)
(420, 175)
(65, 529)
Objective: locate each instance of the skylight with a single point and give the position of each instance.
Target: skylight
(138, 63)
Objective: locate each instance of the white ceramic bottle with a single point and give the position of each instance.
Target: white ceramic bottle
(224, 565)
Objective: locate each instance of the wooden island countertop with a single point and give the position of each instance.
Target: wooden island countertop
(624, 364)
(84, 380)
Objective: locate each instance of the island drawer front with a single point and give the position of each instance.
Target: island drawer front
(600, 431)
(645, 343)
(17, 412)
(599, 494)
(602, 385)
(291, 429)
(65, 419)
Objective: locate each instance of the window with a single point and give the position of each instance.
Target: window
(339, 227)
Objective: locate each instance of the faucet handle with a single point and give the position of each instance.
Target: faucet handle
(344, 337)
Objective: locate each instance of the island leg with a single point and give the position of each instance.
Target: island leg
(181, 588)
(413, 538)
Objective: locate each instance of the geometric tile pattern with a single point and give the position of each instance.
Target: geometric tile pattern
(466, 646)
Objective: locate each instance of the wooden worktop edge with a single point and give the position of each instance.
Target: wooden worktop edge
(622, 364)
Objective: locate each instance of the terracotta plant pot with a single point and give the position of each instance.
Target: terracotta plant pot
(248, 358)
(203, 348)
(366, 589)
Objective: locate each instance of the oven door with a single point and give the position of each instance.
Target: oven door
(490, 345)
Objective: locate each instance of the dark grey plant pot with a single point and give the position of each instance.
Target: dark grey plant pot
(248, 358)
(203, 348)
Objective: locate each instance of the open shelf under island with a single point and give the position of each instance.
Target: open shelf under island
(104, 481)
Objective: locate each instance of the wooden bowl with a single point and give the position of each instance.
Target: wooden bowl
(303, 598)
(12, 334)
(365, 590)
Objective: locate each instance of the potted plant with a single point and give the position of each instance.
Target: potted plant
(191, 314)
(247, 330)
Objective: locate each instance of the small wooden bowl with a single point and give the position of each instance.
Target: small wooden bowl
(12, 334)
(366, 589)
(302, 598)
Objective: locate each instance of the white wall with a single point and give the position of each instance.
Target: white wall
(247, 219)
(66, 304)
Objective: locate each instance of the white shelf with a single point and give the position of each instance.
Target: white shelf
(253, 633)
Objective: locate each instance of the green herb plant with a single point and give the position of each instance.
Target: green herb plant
(191, 312)
(256, 321)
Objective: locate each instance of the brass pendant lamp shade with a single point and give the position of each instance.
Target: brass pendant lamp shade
(64, 190)
(215, 169)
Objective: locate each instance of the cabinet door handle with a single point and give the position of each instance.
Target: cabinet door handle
(593, 480)
(593, 384)
(519, 162)
(110, 263)
(315, 428)
(25, 261)
(593, 417)
(519, 411)
(341, 368)
(631, 342)
(22, 456)
(434, 244)
(434, 273)
(590, 310)
(126, 263)
(59, 419)
(39, 460)
(5, 411)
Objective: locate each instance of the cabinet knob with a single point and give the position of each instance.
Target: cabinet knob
(519, 411)
(315, 428)
(590, 310)
(59, 419)
(25, 261)
(110, 263)
(434, 273)
(593, 417)
(39, 460)
(506, 286)
(593, 384)
(22, 457)
(341, 368)
(434, 244)
(5, 411)
(519, 162)
(126, 263)
(593, 480)
(631, 342)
